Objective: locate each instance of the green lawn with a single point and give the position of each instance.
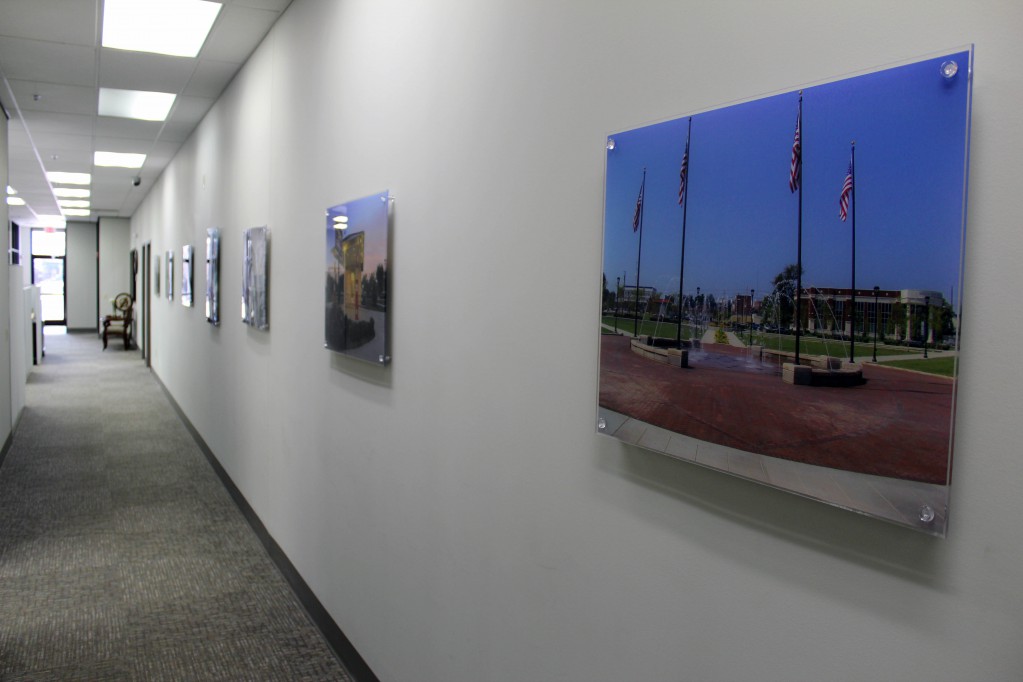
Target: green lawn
(945, 366)
(814, 346)
(647, 328)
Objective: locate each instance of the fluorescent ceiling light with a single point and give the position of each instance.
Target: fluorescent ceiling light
(76, 211)
(118, 159)
(174, 27)
(15, 201)
(69, 178)
(50, 221)
(73, 203)
(140, 104)
(69, 192)
(11, 190)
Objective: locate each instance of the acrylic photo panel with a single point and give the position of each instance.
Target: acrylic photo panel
(170, 275)
(213, 276)
(186, 275)
(782, 286)
(254, 277)
(356, 300)
(156, 275)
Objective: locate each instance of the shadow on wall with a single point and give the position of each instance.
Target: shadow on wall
(836, 535)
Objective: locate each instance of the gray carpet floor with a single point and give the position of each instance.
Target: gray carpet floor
(122, 556)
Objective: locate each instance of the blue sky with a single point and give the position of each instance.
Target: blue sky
(909, 124)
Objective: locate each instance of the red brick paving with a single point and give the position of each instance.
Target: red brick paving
(897, 424)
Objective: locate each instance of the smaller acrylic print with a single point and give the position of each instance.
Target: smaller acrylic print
(357, 278)
(213, 276)
(254, 277)
(186, 276)
(170, 275)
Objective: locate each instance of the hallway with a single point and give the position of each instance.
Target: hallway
(122, 556)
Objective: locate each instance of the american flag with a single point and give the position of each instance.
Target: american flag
(639, 207)
(683, 175)
(847, 190)
(795, 167)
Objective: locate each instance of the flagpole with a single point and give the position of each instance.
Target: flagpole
(799, 231)
(852, 205)
(639, 254)
(684, 189)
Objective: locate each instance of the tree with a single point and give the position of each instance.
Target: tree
(942, 321)
(785, 289)
(381, 275)
(897, 320)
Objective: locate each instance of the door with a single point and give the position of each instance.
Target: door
(146, 298)
(48, 272)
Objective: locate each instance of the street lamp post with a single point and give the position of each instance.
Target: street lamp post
(751, 317)
(618, 295)
(699, 317)
(927, 322)
(877, 290)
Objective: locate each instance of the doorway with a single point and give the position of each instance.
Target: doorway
(49, 273)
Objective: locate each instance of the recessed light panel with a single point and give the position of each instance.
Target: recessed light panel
(73, 203)
(76, 211)
(11, 190)
(173, 27)
(118, 159)
(15, 201)
(140, 104)
(70, 192)
(69, 178)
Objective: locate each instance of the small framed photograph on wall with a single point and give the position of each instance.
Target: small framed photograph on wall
(255, 277)
(170, 276)
(213, 276)
(186, 275)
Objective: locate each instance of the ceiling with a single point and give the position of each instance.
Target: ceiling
(51, 69)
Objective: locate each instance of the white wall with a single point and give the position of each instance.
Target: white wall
(457, 513)
(80, 276)
(114, 265)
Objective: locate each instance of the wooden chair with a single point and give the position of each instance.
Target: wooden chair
(119, 324)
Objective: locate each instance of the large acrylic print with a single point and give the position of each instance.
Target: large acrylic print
(356, 269)
(254, 277)
(781, 288)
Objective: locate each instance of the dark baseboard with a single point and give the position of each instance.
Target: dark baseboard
(7, 445)
(343, 648)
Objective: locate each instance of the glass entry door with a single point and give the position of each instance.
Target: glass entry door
(48, 261)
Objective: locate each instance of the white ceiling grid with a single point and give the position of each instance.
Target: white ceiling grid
(52, 66)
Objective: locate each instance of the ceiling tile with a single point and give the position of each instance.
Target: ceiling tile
(142, 71)
(51, 48)
(49, 122)
(237, 33)
(138, 145)
(62, 99)
(210, 78)
(176, 132)
(109, 126)
(190, 109)
(58, 21)
(35, 60)
(59, 143)
(275, 5)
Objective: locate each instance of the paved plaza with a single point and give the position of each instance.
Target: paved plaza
(896, 425)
